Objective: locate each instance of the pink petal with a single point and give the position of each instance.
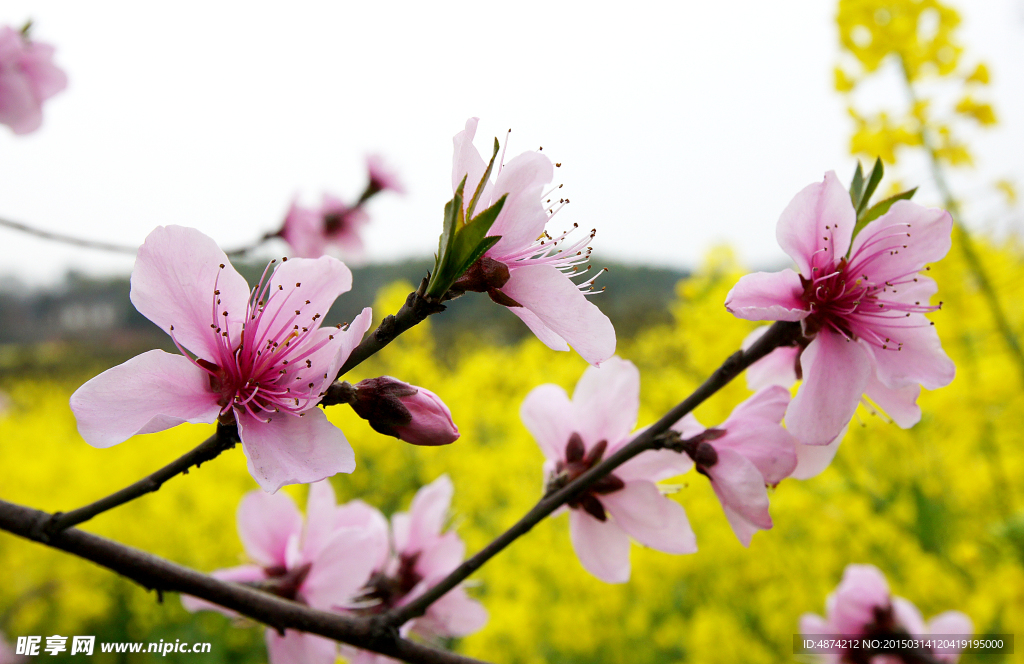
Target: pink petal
(914, 235)
(299, 648)
(265, 524)
(813, 459)
(908, 616)
(740, 488)
(45, 78)
(816, 226)
(951, 622)
(522, 218)
(654, 466)
(862, 589)
(560, 305)
(812, 624)
(602, 547)
(688, 426)
(303, 230)
(899, 404)
(294, 450)
(548, 414)
(836, 372)
(428, 514)
(321, 515)
(319, 280)
(650, 518)
(606, 402)
(767, 296)
(441, 556)
(242, 574)
(148, 393)
(329, 359)
(456, 614)
(920, 360)
(467, 160)
(542, 331)
(766, 406)
(776, 368)
(768, 446)
(359, 515)
(342, 567)
(176, 272)
(19, 108)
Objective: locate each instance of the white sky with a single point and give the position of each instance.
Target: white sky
(679, 125)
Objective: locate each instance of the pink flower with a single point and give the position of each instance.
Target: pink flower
(28, 77)
(423, 555)
(261, 359)
(862, 606)
(382, 177)
(320, 565)
(574, 436)
(8, 654)
(527, 270)
(413, 414)
(311, 233)
(749, 451)
(862, 304)
(781, 367)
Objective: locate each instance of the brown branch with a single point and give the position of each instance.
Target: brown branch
(224, 439)
(780, 334)
(155, 573)
(415, 310)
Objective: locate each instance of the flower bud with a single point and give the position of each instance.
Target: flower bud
(405, 411)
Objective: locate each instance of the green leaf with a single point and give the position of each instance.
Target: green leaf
(880, 208)
(472, 241)
(857, 186)
(483, 182)
(442, 264)
(877, 171)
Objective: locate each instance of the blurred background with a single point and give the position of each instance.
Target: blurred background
(682, 135)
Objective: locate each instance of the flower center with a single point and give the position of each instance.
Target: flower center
(283, 582)
(264, 364)
(383, 592)
(843, 297)
(578, 461)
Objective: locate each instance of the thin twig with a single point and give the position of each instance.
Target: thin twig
(70, 239)
(779, 334)
(415, 310)
(224, 439)
(155, 573)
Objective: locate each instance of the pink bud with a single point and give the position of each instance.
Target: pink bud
(431, 423)
(405, 411)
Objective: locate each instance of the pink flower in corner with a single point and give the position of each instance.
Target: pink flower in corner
(28, 77)
(320, 564)
(861, 303)
(423, 555)
(574, 436)
(742, 456)
(528, 271)
(863, 606)
(260, 360)
(312, 233)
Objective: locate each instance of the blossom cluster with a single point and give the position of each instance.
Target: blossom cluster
(261, 360)
(348, 559)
